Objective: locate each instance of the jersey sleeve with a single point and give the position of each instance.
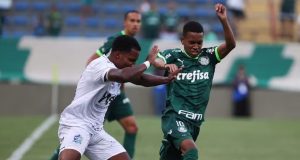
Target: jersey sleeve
(101, 74)
(213, 54)
(104, 50)
(167, 56)
(98, 70)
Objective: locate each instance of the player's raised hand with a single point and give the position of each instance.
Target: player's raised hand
(171, 67)
(153, 54)
(173, 74)
(221, 11)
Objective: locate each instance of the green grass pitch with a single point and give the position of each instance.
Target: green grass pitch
(220, 139)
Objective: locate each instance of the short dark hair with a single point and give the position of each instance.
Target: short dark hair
(130, 11)
(125, 43)
(192, 26)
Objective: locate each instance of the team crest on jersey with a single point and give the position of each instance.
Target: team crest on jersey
(77, 139)
(204, 60)
(182, 129)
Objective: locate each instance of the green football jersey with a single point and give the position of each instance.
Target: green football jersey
(188, 94)
(105, 49)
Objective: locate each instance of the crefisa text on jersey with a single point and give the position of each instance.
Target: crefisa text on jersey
(195, 75)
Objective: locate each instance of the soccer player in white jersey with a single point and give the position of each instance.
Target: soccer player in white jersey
(81, 123)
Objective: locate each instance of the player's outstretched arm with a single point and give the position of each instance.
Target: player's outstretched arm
(130, 74)
(127, 74)
(149, 80)
(230, 43)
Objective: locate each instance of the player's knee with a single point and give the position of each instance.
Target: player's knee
(131, 129)
(191, 154)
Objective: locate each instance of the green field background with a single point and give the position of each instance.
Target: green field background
(220, 139)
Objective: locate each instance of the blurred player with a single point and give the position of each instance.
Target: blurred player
(188, 95)
(81, 123)
(120, 109)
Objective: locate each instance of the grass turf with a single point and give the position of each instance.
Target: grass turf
(225, 139)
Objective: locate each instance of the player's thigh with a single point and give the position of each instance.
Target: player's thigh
(121, 156)
(175, 132)
(119, 108)
(69, 154)
(73, 141)
(103, 147)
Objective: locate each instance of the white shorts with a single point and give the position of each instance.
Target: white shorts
(97, 146)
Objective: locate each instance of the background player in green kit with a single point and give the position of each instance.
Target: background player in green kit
(120, 109)
(188, 95)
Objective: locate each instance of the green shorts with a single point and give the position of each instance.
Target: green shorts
(119, 108)
(175, 130)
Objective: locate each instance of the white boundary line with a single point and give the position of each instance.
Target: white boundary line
(38, 132)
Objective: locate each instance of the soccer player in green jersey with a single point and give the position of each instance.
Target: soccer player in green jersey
(188, 94)
(120, 109)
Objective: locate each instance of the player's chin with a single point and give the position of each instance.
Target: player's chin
(194, 53)
(135, 30)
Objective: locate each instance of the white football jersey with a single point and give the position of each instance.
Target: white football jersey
(93, 96)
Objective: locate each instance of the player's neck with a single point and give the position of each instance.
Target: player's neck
(128, 34)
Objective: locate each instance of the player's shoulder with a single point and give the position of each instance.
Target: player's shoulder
(208, 50)
(105, 61)
(173, 51)
(102, 62)
(114, 36)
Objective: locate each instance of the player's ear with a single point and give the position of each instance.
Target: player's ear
(181, 40)
(117, 55)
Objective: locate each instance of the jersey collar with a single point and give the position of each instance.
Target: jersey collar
(123, 32)
(183, 51)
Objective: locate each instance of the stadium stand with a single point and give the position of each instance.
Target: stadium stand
(20, 20)
(92, 22)
(111, 8)
(261, 23)
(72, 21)
(73, 6)
(106, 15)
(127, 7)
(40, 6)
(184, 12)
(22, 6)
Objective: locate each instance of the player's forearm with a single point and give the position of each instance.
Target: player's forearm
(148, 80)
(127, 74)
(228, 35)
